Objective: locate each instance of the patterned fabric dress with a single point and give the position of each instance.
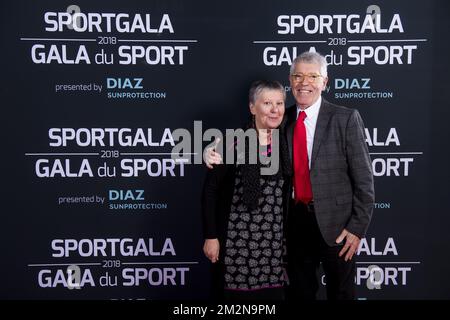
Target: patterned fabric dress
(254, 244)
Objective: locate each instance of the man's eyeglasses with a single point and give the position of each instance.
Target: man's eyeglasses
(311, 78)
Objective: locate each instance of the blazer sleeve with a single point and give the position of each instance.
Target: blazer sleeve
(212, 189)
(360, 171)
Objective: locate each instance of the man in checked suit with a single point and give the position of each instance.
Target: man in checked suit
(333, 192)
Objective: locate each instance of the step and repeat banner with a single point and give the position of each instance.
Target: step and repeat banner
(95, 94)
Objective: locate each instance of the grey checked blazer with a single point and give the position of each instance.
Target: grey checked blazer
(341, 171)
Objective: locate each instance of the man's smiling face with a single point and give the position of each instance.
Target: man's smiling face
(307, 83)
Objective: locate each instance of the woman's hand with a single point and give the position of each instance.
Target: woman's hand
(211, 249)
(210, 156)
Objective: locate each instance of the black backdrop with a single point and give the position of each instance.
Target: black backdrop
(218, 48)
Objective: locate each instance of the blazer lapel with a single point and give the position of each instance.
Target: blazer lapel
(321, 126)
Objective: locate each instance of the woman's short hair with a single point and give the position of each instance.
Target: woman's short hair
(258, 86)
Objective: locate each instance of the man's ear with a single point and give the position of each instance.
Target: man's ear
(325, 82)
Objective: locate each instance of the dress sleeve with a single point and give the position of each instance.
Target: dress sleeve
(212, 191)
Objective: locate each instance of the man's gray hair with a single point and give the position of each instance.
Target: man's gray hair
(311, 57)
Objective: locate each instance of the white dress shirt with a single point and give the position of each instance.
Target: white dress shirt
(310, 122)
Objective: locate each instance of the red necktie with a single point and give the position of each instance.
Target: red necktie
(302, 182)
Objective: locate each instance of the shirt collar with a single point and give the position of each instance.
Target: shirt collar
(313, 111)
